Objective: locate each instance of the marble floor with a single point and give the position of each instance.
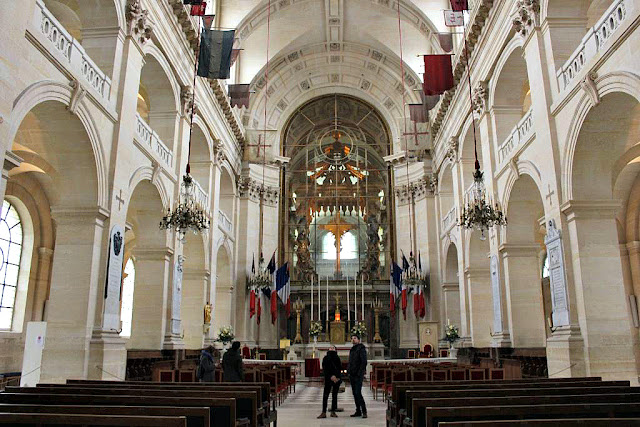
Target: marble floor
(302, 407)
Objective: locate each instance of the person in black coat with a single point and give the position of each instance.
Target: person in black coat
(357, 369)
(207, 366)
(331, 367)
(232, 364)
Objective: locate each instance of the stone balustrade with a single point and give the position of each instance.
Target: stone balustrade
(449, 219)
(147, 136)
(201, 197)
(520, 134)
(593, 42)
(59, 41)
(224, 222)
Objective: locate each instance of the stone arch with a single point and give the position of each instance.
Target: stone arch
(147, 173)
(451, 288)
(201, 154)
(152, 257)
(51, 92)
(223, 294)
(524, 240)
(612, 83)
(227, 195)
(446, 193)
(509, 92)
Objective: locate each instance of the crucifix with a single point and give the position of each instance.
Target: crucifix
(120, 200)
(415, 133)
(548, 196)
(260, 144)
(338, 228)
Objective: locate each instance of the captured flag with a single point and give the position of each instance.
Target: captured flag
(239, 95)
(252, 303)
(418, 113)
(405, 263)
(453, 18)
(459, 5)
(395, 285)
(438, 74)
(214, 61)
(283, 288)
(259, 310)
(199, 9)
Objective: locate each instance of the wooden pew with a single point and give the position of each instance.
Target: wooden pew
(515, 392)
(246, 401)
(222, 410)
(432, 416)
(582, 422)
(89, 420)
(195, 416)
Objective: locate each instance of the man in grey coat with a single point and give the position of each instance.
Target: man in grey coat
(232, 364)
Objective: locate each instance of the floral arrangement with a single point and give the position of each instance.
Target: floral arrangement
(359, 328)
(451, 333)
(225, 334)
(315, 328)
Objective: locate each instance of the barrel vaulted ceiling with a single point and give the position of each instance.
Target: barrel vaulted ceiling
(317, 47)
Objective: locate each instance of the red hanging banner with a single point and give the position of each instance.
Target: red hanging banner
(438, 74)
(459, 5)
(199, 9)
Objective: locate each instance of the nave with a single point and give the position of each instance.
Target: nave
(303, 406)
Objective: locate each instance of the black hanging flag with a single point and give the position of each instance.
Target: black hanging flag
(215, 54)
(192, 1)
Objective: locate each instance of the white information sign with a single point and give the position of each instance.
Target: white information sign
(114, 279)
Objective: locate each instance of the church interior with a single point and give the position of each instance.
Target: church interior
(456, 182)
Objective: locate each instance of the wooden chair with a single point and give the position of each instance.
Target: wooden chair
(246, 352)
(444, 352)
(428, 350)
(263, 356)
(167, 375)
(496, 373)
(458, 374)
(411, 354)
(477, 374)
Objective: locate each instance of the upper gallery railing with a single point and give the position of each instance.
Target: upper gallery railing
(149, 137)
(224, 222)
(520, 134)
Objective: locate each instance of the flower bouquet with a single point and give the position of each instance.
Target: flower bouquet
(451, 334)
(315, 328)
(359, 328)
(225, 335)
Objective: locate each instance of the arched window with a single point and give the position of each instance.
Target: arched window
(126, 310)
(10, 254)
(348, 246)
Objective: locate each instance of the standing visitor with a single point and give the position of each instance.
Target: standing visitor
(232, 364)
(331, 367)
(207, 366)
(357, 369)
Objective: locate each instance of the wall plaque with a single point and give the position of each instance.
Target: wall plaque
(114, 279)
(557, 276)
(495, 288)
(176, 300)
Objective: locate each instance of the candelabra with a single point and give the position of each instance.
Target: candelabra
(413, 276)
(298, 306)
(260, 280)
(377, 308)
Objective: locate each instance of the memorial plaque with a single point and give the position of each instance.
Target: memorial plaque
(114, 279)
(557, 276)
(495, 288)
(176, 299)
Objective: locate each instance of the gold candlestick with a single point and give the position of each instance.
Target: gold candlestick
(377, 308)
(298, 306)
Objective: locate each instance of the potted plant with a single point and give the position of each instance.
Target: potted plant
(359, 328)
(451, 336)
(225, 336)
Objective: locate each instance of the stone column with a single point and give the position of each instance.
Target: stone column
(451, 297)
(524, 296)
(45, 256)
(600, 298)
(73, 294)
(195, 284)
(480, 305)
(150, 300)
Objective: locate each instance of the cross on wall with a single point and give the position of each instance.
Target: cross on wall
(549, 194)
(260, 144)
(415, 133)
(120, 200)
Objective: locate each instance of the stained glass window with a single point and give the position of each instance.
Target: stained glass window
(10, 253)
(126, 311)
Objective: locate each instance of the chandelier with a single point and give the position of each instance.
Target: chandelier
(262, 279)
(413, 276)
(479, 213)
(187, 216)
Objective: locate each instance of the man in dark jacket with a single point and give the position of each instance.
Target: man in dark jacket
(331, 367)
(232, 364)
(207, 366)
(357, 369)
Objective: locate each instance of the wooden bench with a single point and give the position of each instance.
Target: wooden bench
(432, 416)
(246, 401)
(89, 420)
(582, 422)
(515, 392)
(222, 410)
(195, 416)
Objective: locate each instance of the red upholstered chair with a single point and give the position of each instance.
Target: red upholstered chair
(263, 356)
(246, 352)
(428, 350)
(458, 374)
(444, 352)
(411, 354)
(440, 375)
(496, 374)
(477, 374)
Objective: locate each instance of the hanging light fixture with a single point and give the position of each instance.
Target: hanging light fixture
(262, 279)
(187, 216)
(479, 213)
(413, 276)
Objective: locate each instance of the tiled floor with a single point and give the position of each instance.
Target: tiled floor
(302, 407)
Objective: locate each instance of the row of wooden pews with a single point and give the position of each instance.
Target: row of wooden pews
(117, 403)
(384, 375)
(514, 402)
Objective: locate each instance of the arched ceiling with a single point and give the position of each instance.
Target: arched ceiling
(314, 45)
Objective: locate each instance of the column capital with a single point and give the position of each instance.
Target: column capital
(526, 18)
(72, 215)
(480, 98)
(517, 250)
(451, 287)
(592, 209)
(149, 254)
(138, 26)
